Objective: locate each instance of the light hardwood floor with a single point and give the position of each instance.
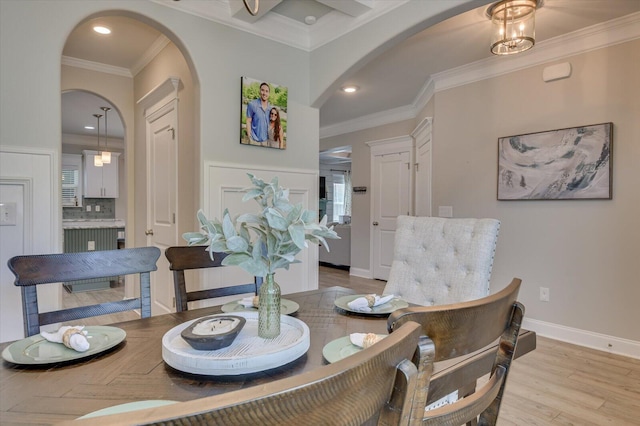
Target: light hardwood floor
(557, 384)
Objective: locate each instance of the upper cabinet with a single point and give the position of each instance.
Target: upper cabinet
(100, 182)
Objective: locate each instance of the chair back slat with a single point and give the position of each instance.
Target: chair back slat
(373, 385)
(458, 329)
(461, 328)
(65, 267)
(33, 270)
(182, 258)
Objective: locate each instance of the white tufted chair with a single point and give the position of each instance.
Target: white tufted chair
(438, 261)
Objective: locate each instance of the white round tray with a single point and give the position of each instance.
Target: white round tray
(247, 354)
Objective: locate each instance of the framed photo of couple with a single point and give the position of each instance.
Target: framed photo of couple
(263, 114)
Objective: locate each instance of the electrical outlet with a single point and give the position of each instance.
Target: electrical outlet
(91, 245)
(544, 294)
(97, 207)
(88, 208)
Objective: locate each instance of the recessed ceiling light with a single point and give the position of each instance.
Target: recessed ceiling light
(101, 30)
(350, 89)
(89, 127)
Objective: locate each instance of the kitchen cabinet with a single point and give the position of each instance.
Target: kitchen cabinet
(100, 182)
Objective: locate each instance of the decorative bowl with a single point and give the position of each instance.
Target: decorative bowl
(214, 332)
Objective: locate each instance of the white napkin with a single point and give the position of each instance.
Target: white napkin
(364, 340)
(75, 338)
(247, 302)
(361, 304)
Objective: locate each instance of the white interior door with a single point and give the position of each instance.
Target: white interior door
(161, 203)
(391, 197)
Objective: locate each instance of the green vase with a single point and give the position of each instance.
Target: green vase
(269, 309)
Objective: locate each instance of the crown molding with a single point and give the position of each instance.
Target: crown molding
(153, 51)
(372, 120)
(598, 36)
(89, 141)
(283, 30)
(581, 41)
(96, 66)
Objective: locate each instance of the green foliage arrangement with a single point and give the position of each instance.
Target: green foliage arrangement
(262, 242)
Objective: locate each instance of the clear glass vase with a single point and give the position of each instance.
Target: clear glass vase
(269, 308)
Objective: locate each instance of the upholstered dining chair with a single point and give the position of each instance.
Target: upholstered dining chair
(458, 329)
(182, 258)
(375, 384)
(33, 270)
(438, 261)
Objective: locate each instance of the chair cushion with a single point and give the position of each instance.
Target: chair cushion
(440, 261)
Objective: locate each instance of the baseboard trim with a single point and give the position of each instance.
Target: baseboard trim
(334, 266)
(589, 339)
(362, 273)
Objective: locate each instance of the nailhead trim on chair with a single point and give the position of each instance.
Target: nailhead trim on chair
(440, 261)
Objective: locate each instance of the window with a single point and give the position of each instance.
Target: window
(71, 180)
(338, 196)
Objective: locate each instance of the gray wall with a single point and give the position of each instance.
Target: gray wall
(585, 252)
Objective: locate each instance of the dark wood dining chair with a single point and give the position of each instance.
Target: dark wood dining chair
(374, 385)
(32, 270)
(458, 329)
(182, 258)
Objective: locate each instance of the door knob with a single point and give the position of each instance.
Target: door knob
(375, 223)
(148, 232)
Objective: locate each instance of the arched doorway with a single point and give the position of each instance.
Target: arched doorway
(124, 68)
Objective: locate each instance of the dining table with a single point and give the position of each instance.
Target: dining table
(134, 369)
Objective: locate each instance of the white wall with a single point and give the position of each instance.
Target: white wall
(26, 181)
(585, 252)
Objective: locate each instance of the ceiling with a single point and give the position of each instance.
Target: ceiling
(392, 80)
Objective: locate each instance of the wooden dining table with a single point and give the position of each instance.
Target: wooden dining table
(135, 371)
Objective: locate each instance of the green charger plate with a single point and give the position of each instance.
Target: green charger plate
(129, 406)
(341, 348)
(287, 307)
(386, 308)
(35, 350)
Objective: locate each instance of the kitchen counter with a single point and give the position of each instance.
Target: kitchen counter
(92, 223)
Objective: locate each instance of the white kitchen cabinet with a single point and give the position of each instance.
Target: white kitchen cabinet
(100, 182)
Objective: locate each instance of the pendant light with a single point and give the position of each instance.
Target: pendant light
(106, 155)
(513, 23)
(97, 159)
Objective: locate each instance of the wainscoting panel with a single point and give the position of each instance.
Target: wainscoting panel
(224, 186)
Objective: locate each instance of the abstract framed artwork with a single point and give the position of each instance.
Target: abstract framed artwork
(263, 114)
(565, 164)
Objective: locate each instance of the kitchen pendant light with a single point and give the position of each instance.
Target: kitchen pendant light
(106, 155)
(97, 159)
